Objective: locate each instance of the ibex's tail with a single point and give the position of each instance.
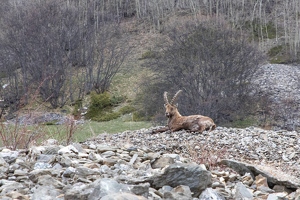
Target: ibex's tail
(213, 127)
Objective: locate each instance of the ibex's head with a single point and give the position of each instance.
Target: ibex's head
(171, 108)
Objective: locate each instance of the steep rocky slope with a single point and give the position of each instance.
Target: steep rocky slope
(281, 83)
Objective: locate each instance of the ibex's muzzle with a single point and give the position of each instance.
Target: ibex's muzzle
(167, 114)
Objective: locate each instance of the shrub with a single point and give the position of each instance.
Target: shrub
(148, 54)
(280, 55)
(275, 50)
(115, 100)
(77, 106)
(99, 104)
(101, 107)
(126, 110)
(16, 136)
(106, 116)
(140, 116)
(261, 30)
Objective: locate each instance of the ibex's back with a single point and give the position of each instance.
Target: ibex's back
(195, 123)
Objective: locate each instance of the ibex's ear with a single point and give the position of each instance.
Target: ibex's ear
(176, 105)
(165, 105)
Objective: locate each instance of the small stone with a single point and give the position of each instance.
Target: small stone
(83, 155)
(140, 189)
(261, 181)
(42, 165)
(215, 184)
(68, 150)
(277, 196)
(133, 159)
(19, 172)
(242, 192)
(209, 193)
(104, 148)
(247, 179)
(69, 172)
(232, 177)
(162, 162)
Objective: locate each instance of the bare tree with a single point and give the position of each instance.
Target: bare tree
(107, 54)
(47, 43)
(43, 39)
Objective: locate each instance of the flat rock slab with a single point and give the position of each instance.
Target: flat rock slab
(274, 176)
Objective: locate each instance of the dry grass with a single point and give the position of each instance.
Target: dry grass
(207, 155)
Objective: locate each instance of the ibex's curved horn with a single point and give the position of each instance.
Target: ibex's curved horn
(175, 96)
(166, 97)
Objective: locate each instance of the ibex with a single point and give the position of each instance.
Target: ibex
(193, 123)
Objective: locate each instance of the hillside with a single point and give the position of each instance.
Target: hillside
(60, 67)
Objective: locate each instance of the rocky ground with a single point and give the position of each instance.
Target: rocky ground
(226, 163)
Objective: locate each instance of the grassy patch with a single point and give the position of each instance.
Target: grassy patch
(275, 51)
(148, 55)
(15, 136)
(279, 55)
(243, 123)
(91, 129)
(261, 30)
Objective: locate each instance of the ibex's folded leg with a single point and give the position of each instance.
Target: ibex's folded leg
(160, 130)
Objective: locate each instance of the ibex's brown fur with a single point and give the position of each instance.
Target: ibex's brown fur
(194, 123)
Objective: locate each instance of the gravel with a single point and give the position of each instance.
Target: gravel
(278, 149)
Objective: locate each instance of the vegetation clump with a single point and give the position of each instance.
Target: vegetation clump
(148, 55)
(101, 107)
(126, 110)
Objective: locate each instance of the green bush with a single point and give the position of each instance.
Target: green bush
(77, 105)
(261, 30)
(101, 107)
(99, 104)
(106, 116)
(115, 100)
(126, 110)
(140, 116)
(275, 50)
(279, 54)
(148, 54)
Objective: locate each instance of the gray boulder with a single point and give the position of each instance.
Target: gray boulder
(273, 179)
(192, 175)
